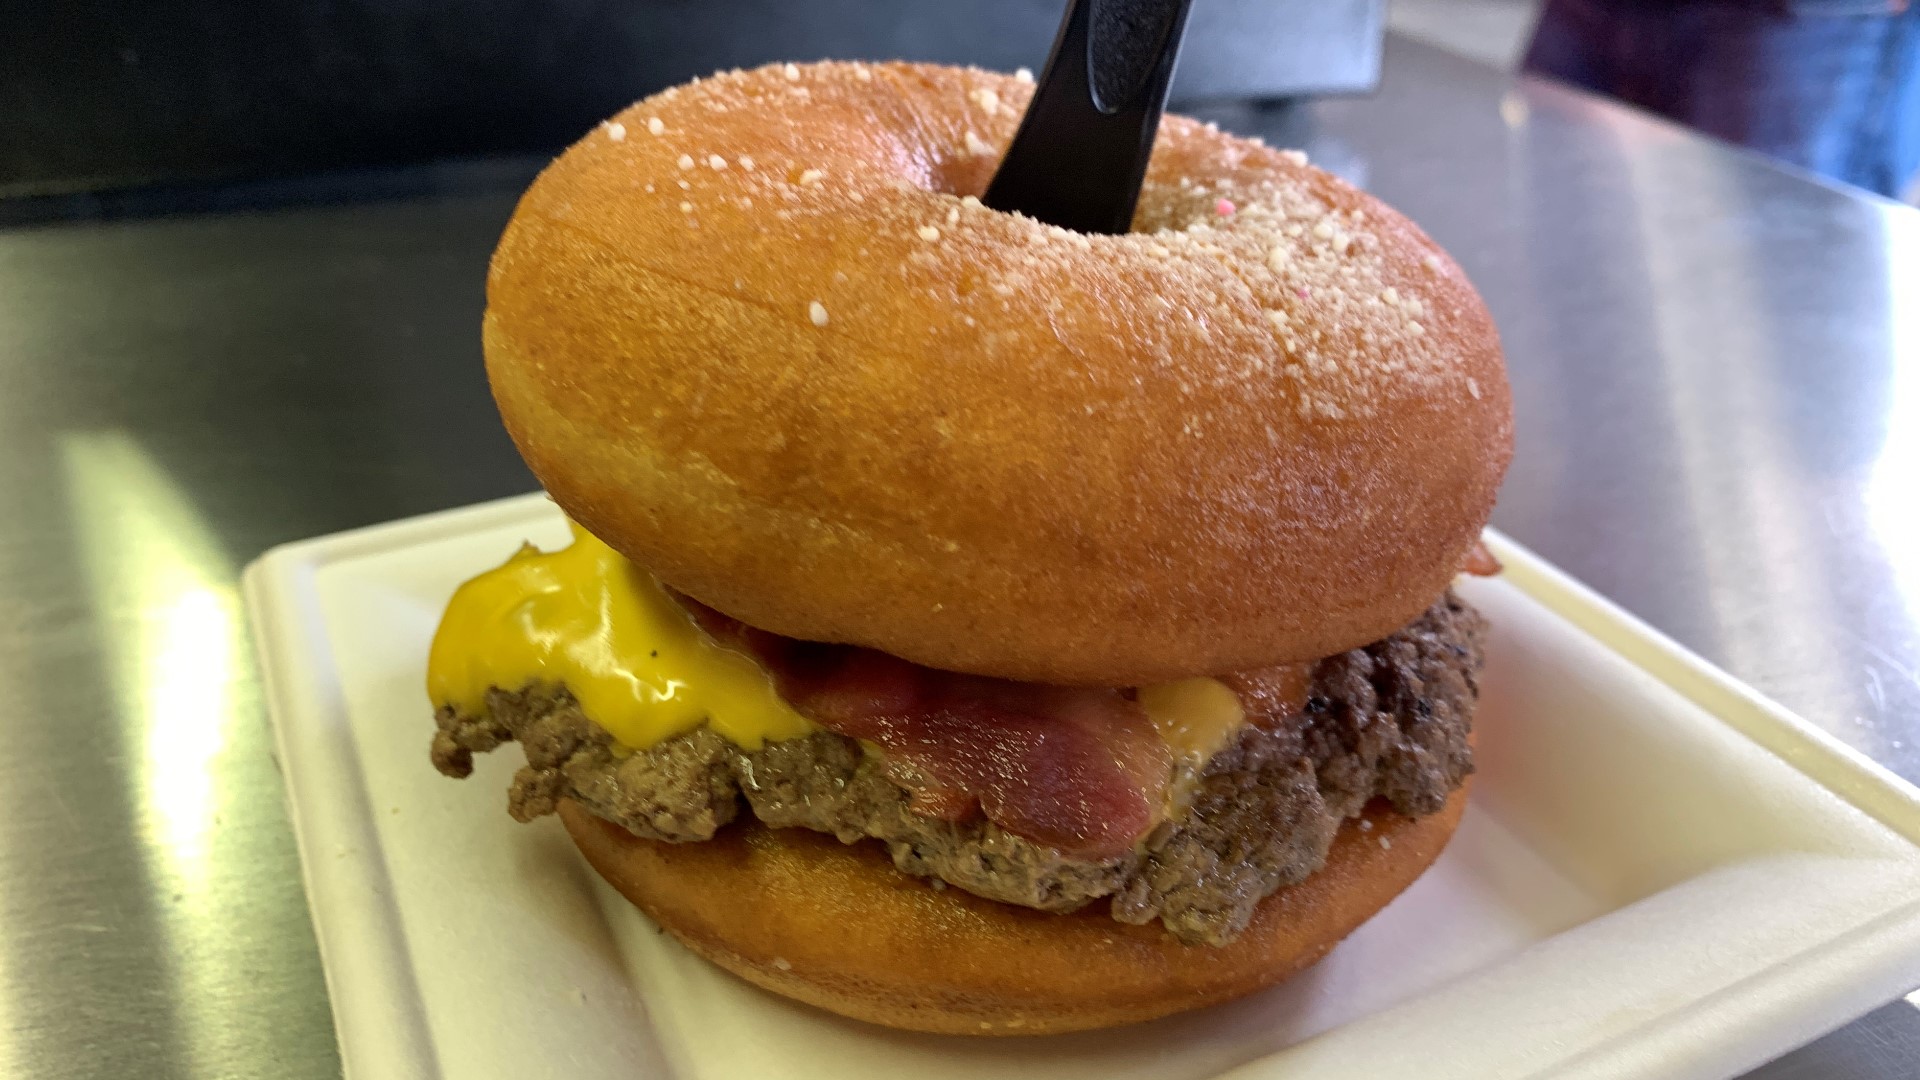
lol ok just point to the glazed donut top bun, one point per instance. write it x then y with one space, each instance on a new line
759 335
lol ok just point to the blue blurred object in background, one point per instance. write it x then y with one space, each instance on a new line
1832 86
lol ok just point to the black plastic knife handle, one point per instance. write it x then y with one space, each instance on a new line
1082 149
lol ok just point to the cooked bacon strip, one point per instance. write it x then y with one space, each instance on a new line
1272 696
1080 770
1481 562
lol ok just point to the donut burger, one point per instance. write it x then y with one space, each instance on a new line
971 625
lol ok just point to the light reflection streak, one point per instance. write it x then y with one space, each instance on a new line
186 692
161 587
1893 487
1712 329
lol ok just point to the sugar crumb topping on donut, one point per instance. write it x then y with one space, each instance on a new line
1274 271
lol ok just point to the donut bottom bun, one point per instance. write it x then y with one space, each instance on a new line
837 926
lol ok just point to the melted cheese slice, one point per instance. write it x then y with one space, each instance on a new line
1194 716
586 617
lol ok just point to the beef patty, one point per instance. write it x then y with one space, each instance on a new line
1386 721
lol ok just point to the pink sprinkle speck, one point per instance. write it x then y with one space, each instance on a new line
1304 293
1224 207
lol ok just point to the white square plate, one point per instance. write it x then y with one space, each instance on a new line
1659 874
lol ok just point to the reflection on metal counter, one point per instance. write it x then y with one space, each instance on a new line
161 588
1716 368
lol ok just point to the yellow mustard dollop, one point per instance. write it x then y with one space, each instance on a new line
585 617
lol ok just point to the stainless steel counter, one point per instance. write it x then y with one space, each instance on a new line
1716 368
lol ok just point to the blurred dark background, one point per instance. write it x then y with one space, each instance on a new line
103 96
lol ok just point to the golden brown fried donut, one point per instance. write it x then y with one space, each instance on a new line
757 334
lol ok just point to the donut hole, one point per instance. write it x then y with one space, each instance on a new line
1162 207
958 175
1169 208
